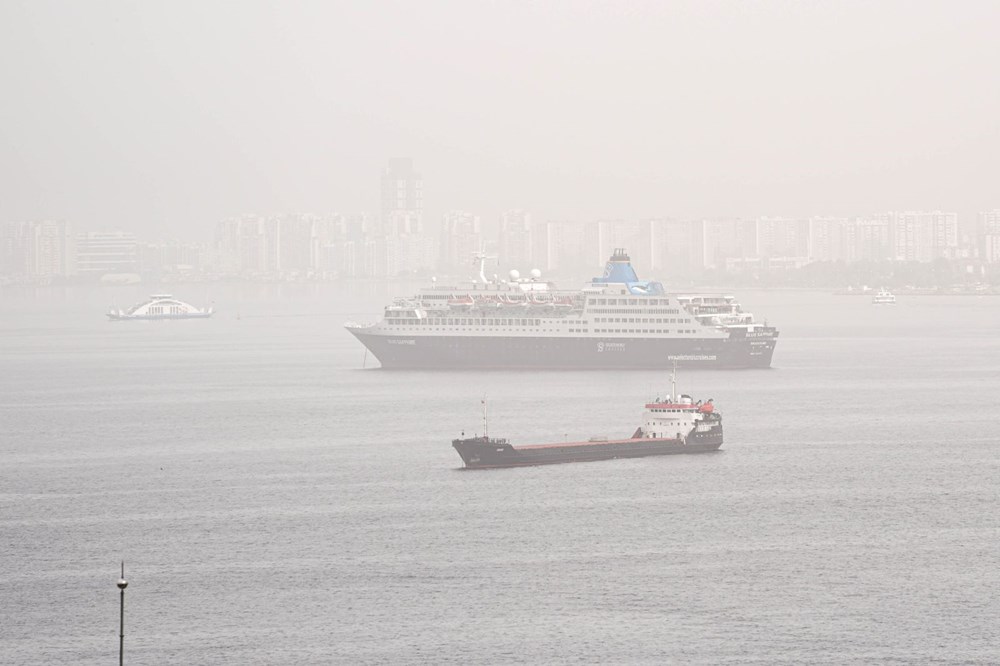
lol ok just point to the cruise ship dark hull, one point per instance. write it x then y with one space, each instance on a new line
483 453
398 351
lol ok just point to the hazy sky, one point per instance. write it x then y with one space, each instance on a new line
164 117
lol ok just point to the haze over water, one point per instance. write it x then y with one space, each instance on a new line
275 503
165 118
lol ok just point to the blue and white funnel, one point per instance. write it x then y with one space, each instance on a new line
619 270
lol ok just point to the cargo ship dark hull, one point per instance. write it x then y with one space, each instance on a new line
488 453
739 350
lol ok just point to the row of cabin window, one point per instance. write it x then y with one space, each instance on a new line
634 310
630 301
465 322
681 331
619 320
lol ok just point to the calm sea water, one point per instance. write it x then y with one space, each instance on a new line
277 504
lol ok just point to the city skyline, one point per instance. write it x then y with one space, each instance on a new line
329 247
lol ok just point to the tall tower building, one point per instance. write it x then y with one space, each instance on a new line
401 246
402 198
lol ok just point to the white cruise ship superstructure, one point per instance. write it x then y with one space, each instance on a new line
616 321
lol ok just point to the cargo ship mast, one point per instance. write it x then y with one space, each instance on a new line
486 424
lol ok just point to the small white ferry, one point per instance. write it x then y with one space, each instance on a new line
884 297
160 306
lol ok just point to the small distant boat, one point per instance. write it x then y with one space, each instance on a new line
884 297
160 306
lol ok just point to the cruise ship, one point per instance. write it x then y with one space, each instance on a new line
616 321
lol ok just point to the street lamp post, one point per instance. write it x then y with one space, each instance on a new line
122 584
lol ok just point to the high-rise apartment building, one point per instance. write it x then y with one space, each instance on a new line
675 248
250 245
725 240
103 253
562 245
170 258
344 246
461 238
242 246
11 254
298 243
782 237
403 223
402 198
408 253
515 239
402 247
868 239
989 233
37 250
922 236
827 239
606 235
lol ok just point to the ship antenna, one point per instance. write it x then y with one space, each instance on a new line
481 257
486 423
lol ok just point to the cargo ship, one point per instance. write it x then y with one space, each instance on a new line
616 321
676 424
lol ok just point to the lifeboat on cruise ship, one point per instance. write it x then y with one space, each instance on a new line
510 302
463 302
564 302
